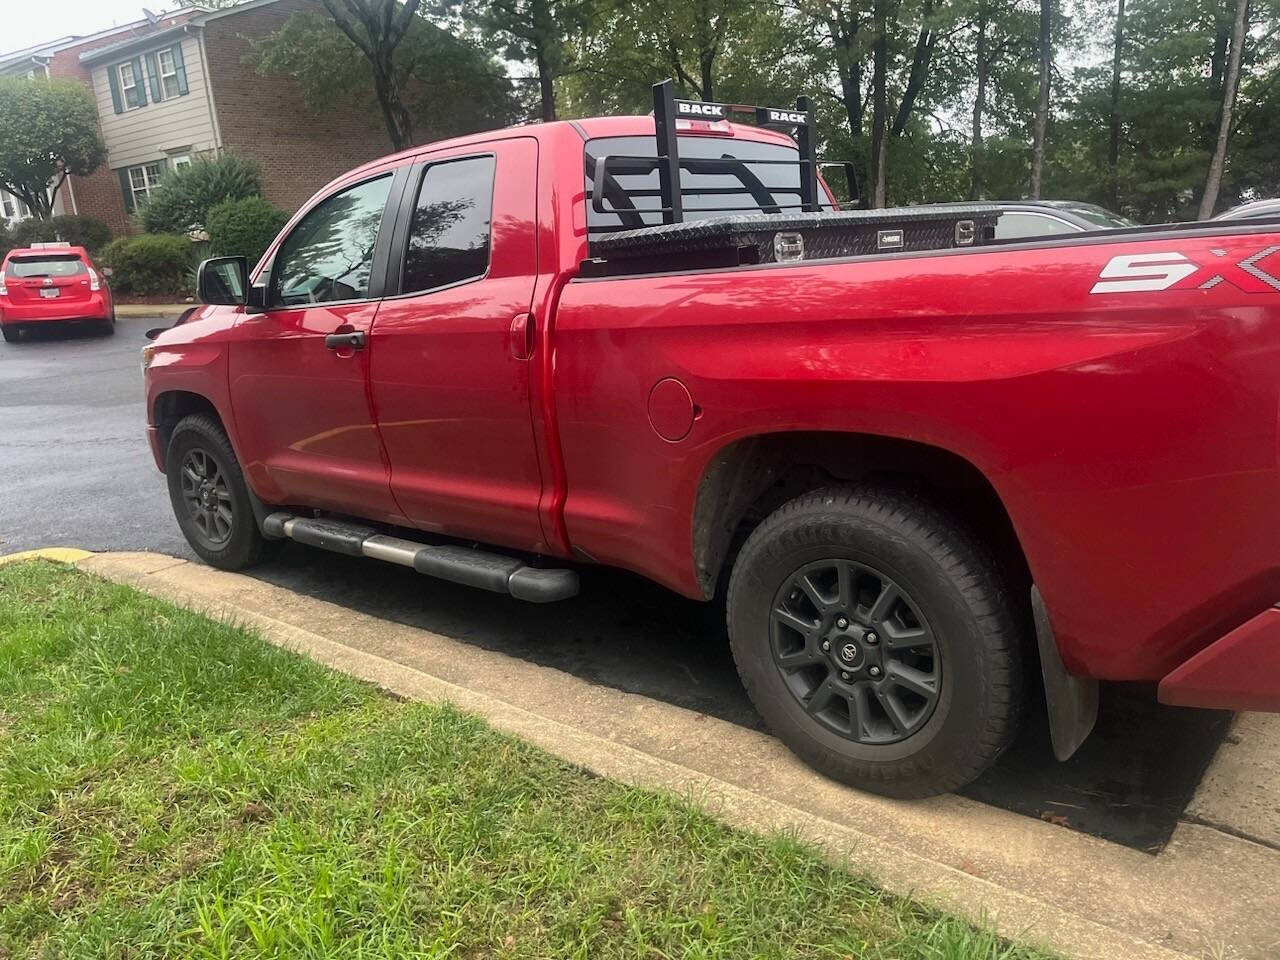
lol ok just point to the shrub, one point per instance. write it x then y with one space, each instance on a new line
153 263
6 239
244 227
85 232
181 201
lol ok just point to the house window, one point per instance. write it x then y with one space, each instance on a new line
129 86
184 160
168 74
13 209
142 180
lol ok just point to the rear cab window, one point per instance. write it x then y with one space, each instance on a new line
753 187
45 265
449 236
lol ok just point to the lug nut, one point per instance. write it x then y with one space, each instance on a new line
873 670
871 638
842 623
845 676
826 644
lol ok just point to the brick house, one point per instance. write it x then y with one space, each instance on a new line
173 86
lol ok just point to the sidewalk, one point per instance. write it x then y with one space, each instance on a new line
1207 894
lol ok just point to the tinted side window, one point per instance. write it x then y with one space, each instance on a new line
329 254
449 236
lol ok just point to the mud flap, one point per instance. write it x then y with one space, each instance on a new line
1072 701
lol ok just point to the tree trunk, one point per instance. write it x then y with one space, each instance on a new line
1230 86
546 84
1042 100
979 102
1113 141
925 42
543 29
399 123
879 103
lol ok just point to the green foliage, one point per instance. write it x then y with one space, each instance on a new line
153 263
448 85
244 228
85 232
48 129
182 200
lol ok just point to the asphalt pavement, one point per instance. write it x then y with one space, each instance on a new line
75 470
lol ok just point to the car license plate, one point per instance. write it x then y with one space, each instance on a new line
49 292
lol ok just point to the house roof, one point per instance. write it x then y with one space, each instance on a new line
43 51
206 16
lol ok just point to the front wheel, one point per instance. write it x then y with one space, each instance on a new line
210 498
876 641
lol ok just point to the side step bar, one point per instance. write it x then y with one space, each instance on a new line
471 567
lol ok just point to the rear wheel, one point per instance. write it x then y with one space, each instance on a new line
210 498
875 639
10 334
107 327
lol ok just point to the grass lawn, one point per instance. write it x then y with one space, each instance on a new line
170 787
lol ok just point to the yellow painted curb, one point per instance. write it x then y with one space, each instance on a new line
57 554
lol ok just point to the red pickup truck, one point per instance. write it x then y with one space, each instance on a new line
930 479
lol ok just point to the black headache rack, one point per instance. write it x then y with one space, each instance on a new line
764 230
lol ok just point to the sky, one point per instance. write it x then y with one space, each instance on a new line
25 23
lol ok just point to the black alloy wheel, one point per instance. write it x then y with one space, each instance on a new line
855 651
207 497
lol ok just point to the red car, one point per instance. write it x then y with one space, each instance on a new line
929 473
52 283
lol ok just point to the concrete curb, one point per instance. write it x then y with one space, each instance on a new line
1207 894
159 311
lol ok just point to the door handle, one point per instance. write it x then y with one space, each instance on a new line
337 341
522 336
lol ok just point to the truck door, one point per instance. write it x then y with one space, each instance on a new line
450 351
299 370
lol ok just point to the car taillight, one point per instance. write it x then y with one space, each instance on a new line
93 280
4 291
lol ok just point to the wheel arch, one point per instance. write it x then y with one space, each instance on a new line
750 477
171 406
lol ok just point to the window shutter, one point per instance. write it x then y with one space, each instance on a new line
153 74
113 80
141 79
181 69
127 186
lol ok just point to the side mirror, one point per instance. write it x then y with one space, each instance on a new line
221 281
850 171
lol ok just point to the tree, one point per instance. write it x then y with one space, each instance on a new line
879 100
376 27
1113 117
447 85
725 50
1230 86
1042 99
48 130
532 31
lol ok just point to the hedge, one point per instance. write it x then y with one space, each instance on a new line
153 263
244 228
85 232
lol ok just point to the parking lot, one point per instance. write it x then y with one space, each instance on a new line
75 471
